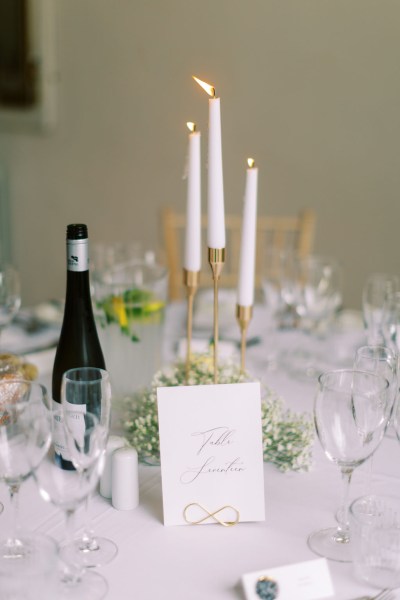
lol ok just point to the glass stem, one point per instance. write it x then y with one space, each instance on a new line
368 475
71 573
13 543
342 534
89 542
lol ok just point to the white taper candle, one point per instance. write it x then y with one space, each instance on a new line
192 252
248 243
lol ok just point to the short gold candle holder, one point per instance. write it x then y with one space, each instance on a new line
191 281
216 258
243 317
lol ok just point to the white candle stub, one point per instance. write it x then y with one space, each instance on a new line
125 479
114 442
248 243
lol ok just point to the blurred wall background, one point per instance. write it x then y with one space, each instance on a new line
309 88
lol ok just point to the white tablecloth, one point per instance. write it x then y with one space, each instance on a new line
207 562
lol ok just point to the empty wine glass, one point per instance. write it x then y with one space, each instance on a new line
391 323
381 361
89 386
377 293
10 295
25 436
350 415
320 280
69 488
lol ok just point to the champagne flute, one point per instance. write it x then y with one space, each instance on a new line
68 489
25 436
89 386
350 415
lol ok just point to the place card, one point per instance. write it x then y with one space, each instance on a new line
211 454
310 580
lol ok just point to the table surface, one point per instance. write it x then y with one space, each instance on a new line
198 563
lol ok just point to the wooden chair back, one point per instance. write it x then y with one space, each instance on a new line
281 232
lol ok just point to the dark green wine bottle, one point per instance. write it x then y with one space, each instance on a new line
79 344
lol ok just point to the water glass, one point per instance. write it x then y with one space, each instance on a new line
130 304
375 534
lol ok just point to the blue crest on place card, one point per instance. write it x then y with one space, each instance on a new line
211 454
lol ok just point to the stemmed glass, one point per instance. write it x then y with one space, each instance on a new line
68 489
279 283
318 296
89 386
25 436
391 323
320 280
10 295
350 413
377 294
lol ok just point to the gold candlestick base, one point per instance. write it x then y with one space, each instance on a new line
216 258
191 281
243 317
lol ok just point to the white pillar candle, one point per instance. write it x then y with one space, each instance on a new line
215 208
192 253
125 479
114 442
245 294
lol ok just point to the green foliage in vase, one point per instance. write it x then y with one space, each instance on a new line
287 437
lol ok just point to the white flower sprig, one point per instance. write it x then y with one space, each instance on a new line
287 437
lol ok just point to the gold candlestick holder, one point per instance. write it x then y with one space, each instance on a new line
216 258
191 281
243 316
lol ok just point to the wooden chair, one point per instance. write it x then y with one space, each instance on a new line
296 232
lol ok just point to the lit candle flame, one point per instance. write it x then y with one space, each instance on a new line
251 162
206 86
191 126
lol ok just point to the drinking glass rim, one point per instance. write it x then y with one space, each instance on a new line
337 371
104 375
389 351
391 497
27 382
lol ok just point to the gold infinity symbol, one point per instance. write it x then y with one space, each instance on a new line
211 515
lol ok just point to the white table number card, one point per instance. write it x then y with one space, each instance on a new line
211 453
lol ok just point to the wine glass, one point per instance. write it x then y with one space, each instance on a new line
89 386
25 436
391 323
377 293
69 488
10 295
350 415
381 361
320 281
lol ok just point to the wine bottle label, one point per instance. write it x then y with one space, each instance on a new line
76 424
77 255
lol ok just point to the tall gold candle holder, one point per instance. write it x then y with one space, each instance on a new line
191 281
243 316
216 258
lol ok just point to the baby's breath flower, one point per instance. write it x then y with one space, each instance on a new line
287 437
